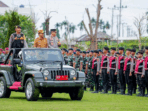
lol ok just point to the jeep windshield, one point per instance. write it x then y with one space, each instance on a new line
42 55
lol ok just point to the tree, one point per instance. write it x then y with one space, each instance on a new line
13 20
141 27
57 25
93 36
81 27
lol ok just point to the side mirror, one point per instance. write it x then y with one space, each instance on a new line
16 61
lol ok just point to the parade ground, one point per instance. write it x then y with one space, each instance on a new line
62 102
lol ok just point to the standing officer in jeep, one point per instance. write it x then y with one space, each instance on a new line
18 39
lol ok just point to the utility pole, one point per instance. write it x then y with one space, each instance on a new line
112 26
123 29
120 15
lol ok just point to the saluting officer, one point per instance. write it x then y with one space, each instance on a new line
113 70
105 69
18 39
2 56
78 63
120 70
128 71
70 57
140 72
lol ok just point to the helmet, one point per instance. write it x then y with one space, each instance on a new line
20 54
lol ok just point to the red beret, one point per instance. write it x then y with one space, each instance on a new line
3 52
6 48
1 49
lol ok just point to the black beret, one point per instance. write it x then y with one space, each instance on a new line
53 30
121 48
17 26
87 52
133 50
106 48
63 49
78 50
74 52
81 51
70 49
140 52
66 50
92 51
96 51
146 47
117 53
128 49
113 48
108 51
84 52
99 50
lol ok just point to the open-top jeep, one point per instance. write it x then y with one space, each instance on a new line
36 71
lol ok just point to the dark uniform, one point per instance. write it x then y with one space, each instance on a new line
96 68
113 70
105 70
139 71
146 72
120 72
128 78
133 74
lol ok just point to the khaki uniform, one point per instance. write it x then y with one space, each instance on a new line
40 43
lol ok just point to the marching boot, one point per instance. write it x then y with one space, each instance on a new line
134 91
122 92
84 88
130 92
147 93
91 88
115 90
143 92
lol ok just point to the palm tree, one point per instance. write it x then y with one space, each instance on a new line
81 27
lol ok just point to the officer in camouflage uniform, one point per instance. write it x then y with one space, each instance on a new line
84 67
78 62
70 57
64 55
90 72
2 56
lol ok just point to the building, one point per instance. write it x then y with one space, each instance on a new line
21 10
100 37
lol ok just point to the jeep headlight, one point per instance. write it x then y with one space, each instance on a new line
72 72
46 72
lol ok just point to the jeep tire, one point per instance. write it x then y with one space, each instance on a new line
76 93
4 91
46 94
31 92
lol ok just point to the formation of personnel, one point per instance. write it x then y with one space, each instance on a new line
103 69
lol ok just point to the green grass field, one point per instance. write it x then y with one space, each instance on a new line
62 102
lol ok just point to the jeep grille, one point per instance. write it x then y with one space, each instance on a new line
54 73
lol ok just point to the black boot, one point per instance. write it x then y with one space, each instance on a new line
134 90
91 88
115 90
84 88
143 92
122 92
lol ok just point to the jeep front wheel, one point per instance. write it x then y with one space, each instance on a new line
4 91
76 93
31 92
